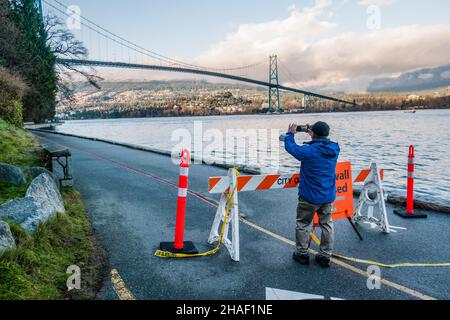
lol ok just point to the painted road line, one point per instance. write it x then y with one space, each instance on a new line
119 286
213 203
394 285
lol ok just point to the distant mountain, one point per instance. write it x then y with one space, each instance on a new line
424 79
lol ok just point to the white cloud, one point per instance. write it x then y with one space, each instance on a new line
283 37
307 45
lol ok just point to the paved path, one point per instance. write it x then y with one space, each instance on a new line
132 208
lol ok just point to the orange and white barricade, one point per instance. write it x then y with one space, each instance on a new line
225 185
372 196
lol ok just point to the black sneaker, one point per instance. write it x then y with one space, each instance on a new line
323 261
301 258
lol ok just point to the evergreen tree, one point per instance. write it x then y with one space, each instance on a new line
39 70
10 38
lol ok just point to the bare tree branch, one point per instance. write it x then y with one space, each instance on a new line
64 44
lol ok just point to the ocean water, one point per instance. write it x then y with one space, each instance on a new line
364 137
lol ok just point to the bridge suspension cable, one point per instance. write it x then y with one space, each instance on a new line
289 75
308 98
133 46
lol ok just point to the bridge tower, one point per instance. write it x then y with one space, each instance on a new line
309 102
274 91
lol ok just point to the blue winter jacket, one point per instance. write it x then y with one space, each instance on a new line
318 169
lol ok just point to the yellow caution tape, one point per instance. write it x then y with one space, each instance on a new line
383 265
167 255
314 237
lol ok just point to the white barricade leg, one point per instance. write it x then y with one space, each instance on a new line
371 216
220 214
234 212
373 195
233 219
382 203
359 207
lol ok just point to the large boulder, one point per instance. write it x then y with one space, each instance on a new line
19 210
41 203
7 241
34 172
12 175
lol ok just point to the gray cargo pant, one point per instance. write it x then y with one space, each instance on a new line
305 215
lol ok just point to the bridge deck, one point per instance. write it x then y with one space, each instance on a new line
195 71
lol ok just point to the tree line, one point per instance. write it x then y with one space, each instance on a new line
365 102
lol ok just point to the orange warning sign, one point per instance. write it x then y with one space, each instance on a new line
344 206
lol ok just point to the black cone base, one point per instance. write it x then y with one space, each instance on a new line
405 215
188 248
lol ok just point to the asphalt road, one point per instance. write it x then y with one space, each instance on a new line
132 210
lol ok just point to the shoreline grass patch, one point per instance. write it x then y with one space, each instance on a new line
18 147
9 192
36 269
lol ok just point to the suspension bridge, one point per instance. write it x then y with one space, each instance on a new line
107 49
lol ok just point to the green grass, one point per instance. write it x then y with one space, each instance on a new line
8 192
37 268
18 147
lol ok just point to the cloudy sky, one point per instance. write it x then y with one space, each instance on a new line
322 44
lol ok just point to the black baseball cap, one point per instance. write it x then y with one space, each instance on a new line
321 129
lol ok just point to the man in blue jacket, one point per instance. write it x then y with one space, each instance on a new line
317 190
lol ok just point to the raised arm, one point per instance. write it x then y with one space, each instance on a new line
298 152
